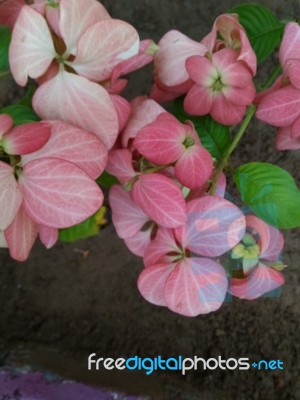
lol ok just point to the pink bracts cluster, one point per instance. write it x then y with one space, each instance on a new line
279 106
215 74
46 181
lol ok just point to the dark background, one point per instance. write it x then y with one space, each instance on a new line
60 305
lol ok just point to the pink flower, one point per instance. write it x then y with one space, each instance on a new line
223 87
259 252
72 63
46 182
178 272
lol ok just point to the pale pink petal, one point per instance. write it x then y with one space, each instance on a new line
139 242
161 142
21 235
120 165
123 109
279 83
67 143
58 194
284 140
262 280
10 195
196 286
6 122
138 61
51 72
76 17
169 61
281 108
198 101
3 243
163 249
9 12
116 41
214 226
27 138
194 167
144 112
48 236
152 282
225 112
290 45
53 16
270 239
240 96
295 133
31 50
127 216
73 99
160 198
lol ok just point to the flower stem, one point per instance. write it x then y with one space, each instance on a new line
249 115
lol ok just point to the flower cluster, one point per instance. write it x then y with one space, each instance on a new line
279 106
216 74
46 181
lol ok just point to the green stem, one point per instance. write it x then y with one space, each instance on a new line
4 73
231 148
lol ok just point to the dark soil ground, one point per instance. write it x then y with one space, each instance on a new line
60 306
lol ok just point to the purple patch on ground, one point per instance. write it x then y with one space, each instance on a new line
35 387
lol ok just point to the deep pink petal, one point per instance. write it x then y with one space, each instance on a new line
161 142
123 110
31 50
201 70
144 112
76 17
21 235
27 138
225 112
127 216
295 129
290 45
262 280
284 140
160 198
247 54
57 193
139 242
240 96
214 226
194 167
73 99
161 247
152 282
270 239
293 71
116 41
9 12
10 195
67 143
169 61
196 286
120 165
198 101
163 94
6 122
281 107
48 236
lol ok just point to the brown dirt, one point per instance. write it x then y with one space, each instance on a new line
59 306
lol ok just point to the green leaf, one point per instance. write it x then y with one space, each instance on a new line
5 37
86 229
263 29
20 114
270 192
214 137
106 180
